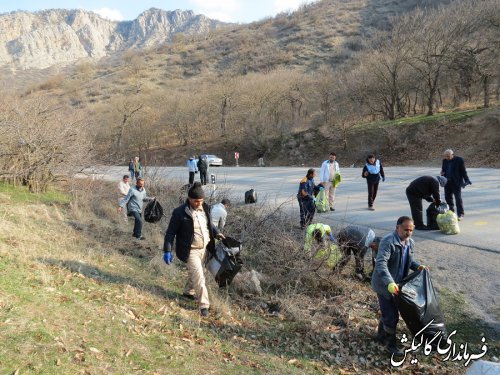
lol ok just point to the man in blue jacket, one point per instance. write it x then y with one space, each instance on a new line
191 227
306 198
453 168
393 263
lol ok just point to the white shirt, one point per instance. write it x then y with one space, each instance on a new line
219 215
123 188
325 173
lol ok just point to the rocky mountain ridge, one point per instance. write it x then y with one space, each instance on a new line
60 37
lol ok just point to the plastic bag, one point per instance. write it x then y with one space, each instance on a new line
250 196
322 204
330 255
226 262
418 305
153 211
432 212
448 223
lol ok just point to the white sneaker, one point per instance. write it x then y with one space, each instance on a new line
461 217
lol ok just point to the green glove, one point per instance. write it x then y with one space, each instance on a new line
393 288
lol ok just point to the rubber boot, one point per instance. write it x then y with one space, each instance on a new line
391 345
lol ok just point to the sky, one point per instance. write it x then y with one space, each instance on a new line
242 11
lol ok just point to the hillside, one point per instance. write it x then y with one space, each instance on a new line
473 134
78 296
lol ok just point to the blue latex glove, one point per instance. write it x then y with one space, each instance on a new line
314 200
321 188
168 257
332 237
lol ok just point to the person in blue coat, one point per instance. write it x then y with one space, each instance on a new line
453 168
395 259
306 198
372 171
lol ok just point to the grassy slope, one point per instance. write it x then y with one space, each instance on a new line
77 296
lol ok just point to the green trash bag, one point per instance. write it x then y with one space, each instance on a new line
322 202
448 223
329 255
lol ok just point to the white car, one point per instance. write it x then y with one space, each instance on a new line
213 160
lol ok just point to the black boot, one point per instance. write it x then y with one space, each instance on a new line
381 335
391 345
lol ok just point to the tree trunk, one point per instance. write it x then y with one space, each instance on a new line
486 91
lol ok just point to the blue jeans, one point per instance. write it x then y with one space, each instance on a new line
390 313
450 190
137 223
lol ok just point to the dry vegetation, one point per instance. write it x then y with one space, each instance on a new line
77 295
321 70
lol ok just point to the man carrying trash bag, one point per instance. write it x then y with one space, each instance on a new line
393 263
191 227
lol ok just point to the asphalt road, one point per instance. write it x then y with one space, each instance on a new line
468 263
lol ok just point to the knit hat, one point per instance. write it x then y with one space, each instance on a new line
442 180
196 191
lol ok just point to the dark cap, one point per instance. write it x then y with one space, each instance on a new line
196 191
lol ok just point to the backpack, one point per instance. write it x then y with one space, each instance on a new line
153 211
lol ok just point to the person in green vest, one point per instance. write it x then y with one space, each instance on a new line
320 244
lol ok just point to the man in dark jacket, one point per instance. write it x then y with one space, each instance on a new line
372 171
192 227
356 239
306 198
453 169
393 263
203 168
425 187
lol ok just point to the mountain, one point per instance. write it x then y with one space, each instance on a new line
60 37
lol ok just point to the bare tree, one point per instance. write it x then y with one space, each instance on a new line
39 140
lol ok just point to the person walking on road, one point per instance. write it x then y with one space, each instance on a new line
328 178
453 168
219 213
131 170
123 189
394 260
425 187
356 239
306 198
192 169
203 169
137 168
194 234
134 201
372 171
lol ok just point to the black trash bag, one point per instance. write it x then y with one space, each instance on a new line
250 196
418 305
153 211
432 212
226 262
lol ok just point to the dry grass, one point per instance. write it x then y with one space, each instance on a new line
78 295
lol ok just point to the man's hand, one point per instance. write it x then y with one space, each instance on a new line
365 174
220 236
168 257
383 179
120 209
423 267
393 288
